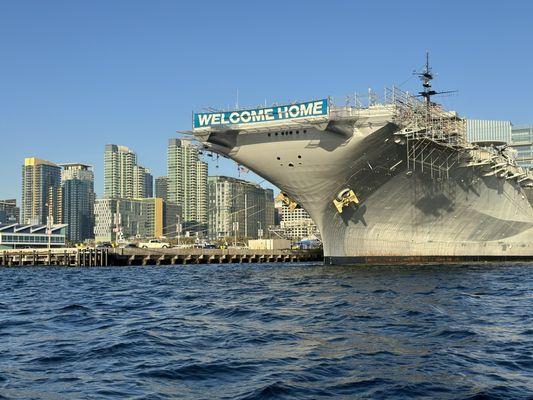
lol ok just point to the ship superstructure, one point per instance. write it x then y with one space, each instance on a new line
389 182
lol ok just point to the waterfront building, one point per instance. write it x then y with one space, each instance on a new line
129 218
9 212
41 191
238 207
478 130
187 184
13 235
522 141
123 177
77 186
161 184
295 223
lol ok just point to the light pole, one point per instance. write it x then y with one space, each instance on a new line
48 229
179 228
49 223
235 229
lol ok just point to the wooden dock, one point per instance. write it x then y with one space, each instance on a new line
91 257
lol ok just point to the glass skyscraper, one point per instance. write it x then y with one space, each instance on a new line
161 184
77 185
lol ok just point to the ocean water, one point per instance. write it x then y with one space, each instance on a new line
280 331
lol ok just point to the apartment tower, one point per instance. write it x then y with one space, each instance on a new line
187 184
123 177
77 186
41 191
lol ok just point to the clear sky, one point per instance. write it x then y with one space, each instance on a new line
75 75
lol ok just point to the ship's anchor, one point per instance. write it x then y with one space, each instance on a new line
287 201
344 198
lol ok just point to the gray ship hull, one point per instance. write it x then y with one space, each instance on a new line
416 212
411 216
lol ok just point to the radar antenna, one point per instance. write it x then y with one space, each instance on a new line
426 76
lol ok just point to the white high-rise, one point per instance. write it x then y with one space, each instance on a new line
187 183
123 177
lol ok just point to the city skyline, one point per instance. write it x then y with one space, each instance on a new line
128 199
77 77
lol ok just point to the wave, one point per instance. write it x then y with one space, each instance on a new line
261 332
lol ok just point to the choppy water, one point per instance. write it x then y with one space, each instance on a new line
266 331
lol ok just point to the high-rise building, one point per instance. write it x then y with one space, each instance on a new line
41 191
133 218
295 223
148 183
171 220
119 164
77 186
187 184
9 212
143 182
123 177
238 206
161 184
172 212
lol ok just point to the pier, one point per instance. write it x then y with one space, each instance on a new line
90 257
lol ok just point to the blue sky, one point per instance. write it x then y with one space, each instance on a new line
75 75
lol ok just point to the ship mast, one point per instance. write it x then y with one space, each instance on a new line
426 76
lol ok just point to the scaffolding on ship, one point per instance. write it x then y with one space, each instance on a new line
435 138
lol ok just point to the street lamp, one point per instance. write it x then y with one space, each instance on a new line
179 228
235 226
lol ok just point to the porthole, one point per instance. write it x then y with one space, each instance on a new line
299 156
305 130
276 133
269 134
291 164
290 132
279 158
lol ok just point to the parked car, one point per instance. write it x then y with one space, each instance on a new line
128 245
184 246
154 244
104 245
204 246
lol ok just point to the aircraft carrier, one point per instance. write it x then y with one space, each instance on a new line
389 182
